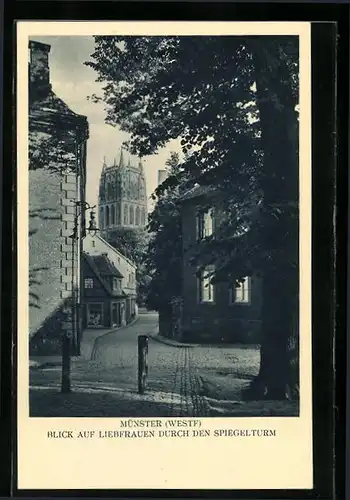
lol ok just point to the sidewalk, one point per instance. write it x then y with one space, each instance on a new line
88 341
86 348
170 342
91 335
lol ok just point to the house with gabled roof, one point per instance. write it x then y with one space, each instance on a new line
109 285
104 298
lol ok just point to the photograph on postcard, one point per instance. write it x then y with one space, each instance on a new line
168 272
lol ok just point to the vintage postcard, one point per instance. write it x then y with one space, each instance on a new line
164 255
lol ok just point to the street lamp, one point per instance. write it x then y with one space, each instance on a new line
80 208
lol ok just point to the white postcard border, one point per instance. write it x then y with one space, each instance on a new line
281 462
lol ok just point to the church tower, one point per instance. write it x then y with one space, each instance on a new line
122 195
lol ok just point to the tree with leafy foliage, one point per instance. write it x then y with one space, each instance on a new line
130 242
164 256
233 102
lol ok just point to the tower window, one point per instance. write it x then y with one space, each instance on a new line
126 213
107 216
112 215
102 218
137 216
117 215
131 217
143 217
109 191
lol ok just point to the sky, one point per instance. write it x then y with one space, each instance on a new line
73 82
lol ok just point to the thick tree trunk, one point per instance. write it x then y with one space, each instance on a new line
279 183
276 369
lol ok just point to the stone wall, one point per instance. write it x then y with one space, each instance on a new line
51 259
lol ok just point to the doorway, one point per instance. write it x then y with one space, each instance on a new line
115 314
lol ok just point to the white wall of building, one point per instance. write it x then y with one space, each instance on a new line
95 245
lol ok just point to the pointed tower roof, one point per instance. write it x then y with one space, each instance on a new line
121 161
140 164
104 165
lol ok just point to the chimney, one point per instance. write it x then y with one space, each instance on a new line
39 71
162 175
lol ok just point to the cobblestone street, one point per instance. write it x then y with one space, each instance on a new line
182 380
170 374
107 385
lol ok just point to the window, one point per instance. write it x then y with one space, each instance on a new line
93 243
131 215
88 283
205 224
116 284
126 208
141 192
102 218
107 216
94 315
143 217
112 215
109 191
137 216
206 288
242 293
117 215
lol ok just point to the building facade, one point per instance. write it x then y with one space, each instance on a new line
122 196
57 173
105 302
95 247
214 312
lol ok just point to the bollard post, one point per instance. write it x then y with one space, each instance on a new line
142 344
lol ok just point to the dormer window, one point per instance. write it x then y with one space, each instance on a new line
116 284
205 224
